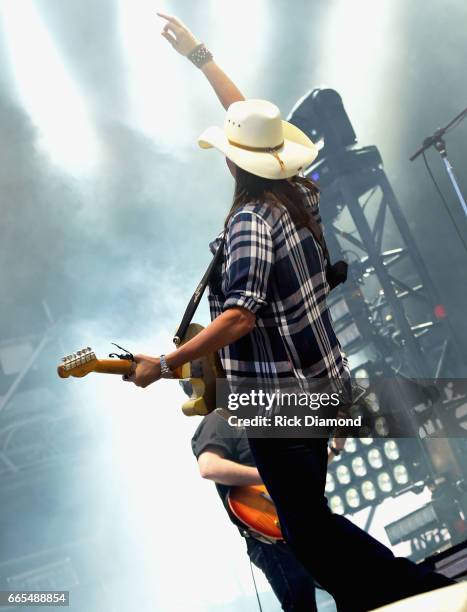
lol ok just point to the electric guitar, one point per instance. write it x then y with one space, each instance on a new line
197 378
253 506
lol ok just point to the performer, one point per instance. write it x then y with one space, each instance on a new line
224 457
270 320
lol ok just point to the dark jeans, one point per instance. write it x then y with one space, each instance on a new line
357 570
291 582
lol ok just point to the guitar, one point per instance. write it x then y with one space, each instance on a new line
197 378
253 506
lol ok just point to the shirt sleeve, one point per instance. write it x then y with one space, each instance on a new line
214 432
249 259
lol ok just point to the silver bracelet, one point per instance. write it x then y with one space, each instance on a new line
166 372
200 55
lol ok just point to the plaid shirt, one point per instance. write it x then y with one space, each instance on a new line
278 273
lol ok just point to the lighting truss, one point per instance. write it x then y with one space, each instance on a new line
400 313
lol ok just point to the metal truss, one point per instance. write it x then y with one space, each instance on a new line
389 286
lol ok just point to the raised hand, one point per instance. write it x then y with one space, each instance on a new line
178 35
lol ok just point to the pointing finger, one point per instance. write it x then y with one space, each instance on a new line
170 18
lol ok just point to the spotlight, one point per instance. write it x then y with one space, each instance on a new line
352 497
401 475
382 427
336 505
359 466
343 474
350 445
330 483
384 482
372 403
363 377
368 490
391 450
321 115
366 441
375 458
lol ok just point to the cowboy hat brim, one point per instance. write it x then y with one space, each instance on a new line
297 152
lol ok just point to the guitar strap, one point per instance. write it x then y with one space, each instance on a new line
197 295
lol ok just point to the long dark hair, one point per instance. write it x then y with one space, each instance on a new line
251 188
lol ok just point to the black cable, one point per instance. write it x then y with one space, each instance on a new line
443 199
372 193
256 588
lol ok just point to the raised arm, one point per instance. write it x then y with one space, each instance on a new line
183 41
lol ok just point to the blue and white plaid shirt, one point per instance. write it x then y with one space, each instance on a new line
278 273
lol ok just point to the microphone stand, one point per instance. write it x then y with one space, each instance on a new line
437 141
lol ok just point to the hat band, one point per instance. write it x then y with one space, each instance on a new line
256 149
272 150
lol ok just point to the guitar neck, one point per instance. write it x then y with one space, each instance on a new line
122 367
113 366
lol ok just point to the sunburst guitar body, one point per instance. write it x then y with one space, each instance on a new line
198 378
253 506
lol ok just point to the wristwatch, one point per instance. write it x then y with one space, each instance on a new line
166 372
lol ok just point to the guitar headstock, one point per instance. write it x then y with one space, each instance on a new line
77 364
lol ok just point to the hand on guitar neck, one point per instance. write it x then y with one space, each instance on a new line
225 329
195 362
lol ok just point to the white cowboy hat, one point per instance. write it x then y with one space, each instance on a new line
257 139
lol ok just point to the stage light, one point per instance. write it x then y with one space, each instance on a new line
372 403
336 504
363 377
47 90
376 466
391 450
352 497
359 466
401 475
375 458
343 474
413 524
381 427
330 483
368 490
384 482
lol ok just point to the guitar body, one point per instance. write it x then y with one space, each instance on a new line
198 378
253 506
